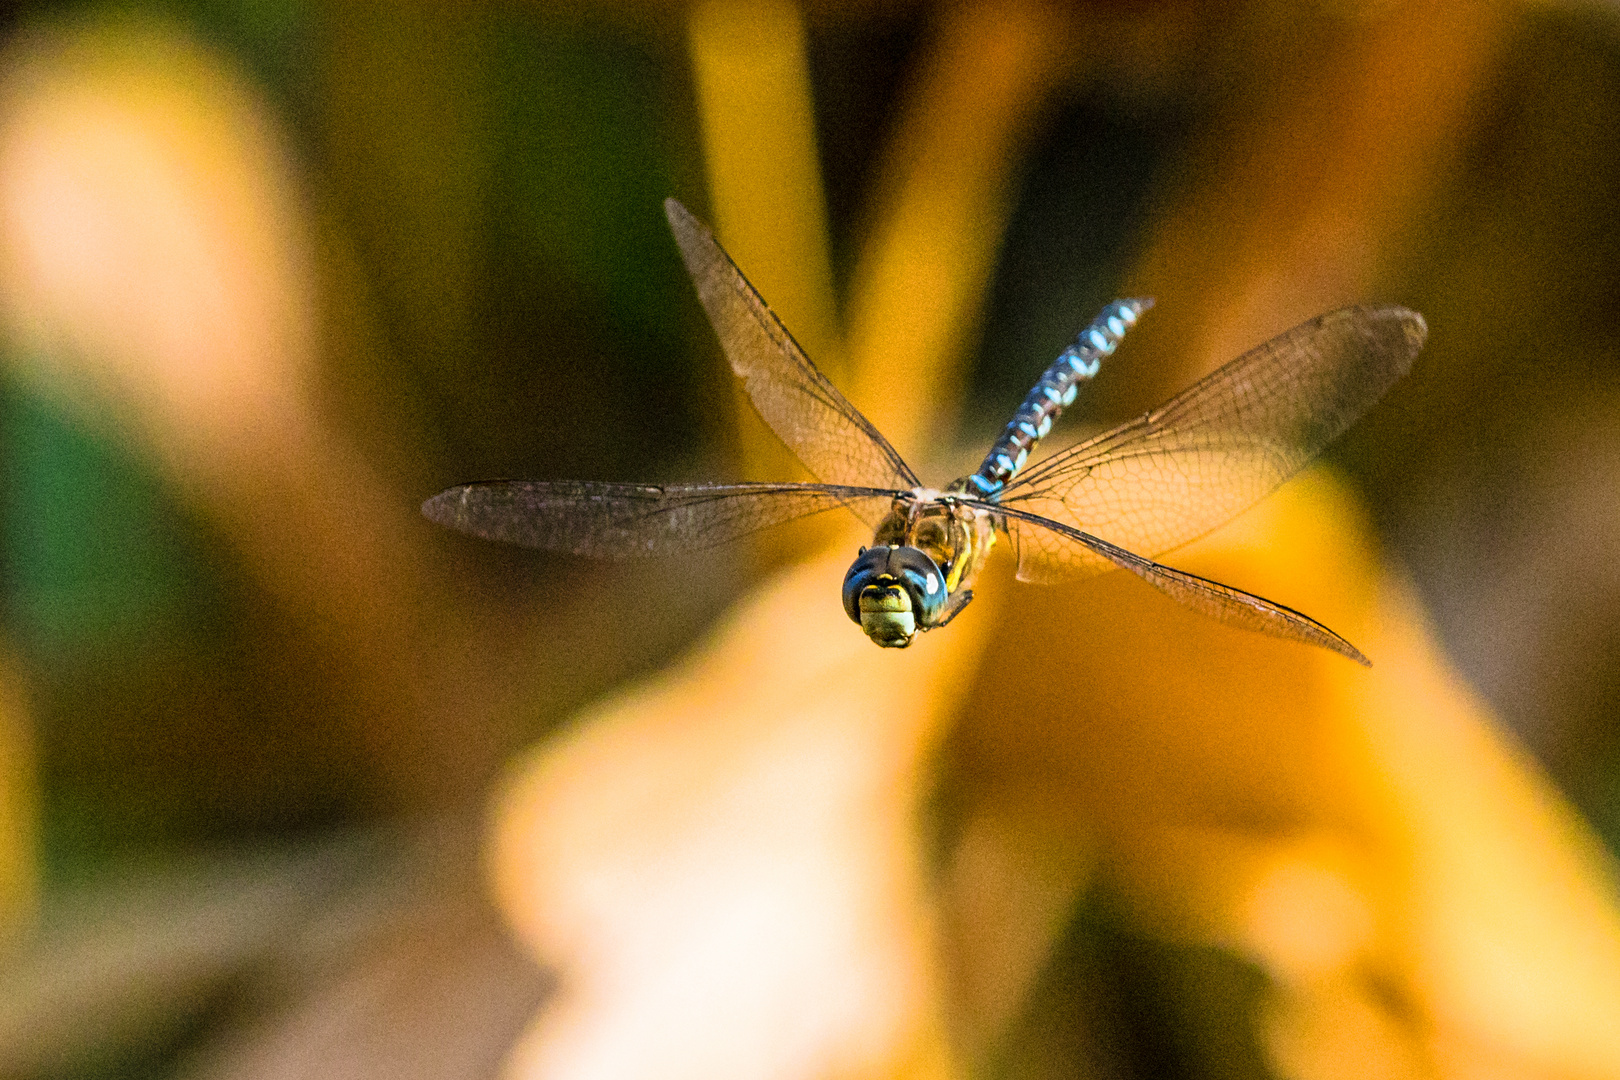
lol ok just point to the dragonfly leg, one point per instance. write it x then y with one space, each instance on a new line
953 607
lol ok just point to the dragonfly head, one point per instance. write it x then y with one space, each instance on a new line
893 592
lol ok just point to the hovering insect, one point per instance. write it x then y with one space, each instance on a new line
1152 484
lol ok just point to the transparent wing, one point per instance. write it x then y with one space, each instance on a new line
629 520
1059 544
1216 449
834 441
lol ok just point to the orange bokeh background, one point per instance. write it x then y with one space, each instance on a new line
291 782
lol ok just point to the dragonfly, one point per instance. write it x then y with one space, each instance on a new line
1150 485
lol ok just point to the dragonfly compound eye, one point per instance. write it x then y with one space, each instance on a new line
893 592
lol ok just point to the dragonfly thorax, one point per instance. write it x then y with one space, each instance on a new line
924 554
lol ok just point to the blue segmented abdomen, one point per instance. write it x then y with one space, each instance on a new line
1054 390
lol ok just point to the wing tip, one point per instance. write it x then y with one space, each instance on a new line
1413 326
1417 328
1323 636
681 220
1395 332
699 249
449 507
437 508
1345 649
1412 323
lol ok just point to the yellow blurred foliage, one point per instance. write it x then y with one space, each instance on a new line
19 811
158 279
726 863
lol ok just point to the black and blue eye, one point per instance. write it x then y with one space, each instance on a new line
893 592
923 580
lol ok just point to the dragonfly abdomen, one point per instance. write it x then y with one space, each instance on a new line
1052 392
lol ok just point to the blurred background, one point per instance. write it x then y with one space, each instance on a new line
273 272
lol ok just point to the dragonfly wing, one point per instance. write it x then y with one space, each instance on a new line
827 434
1046 556
1087 554
630 520
1174 474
